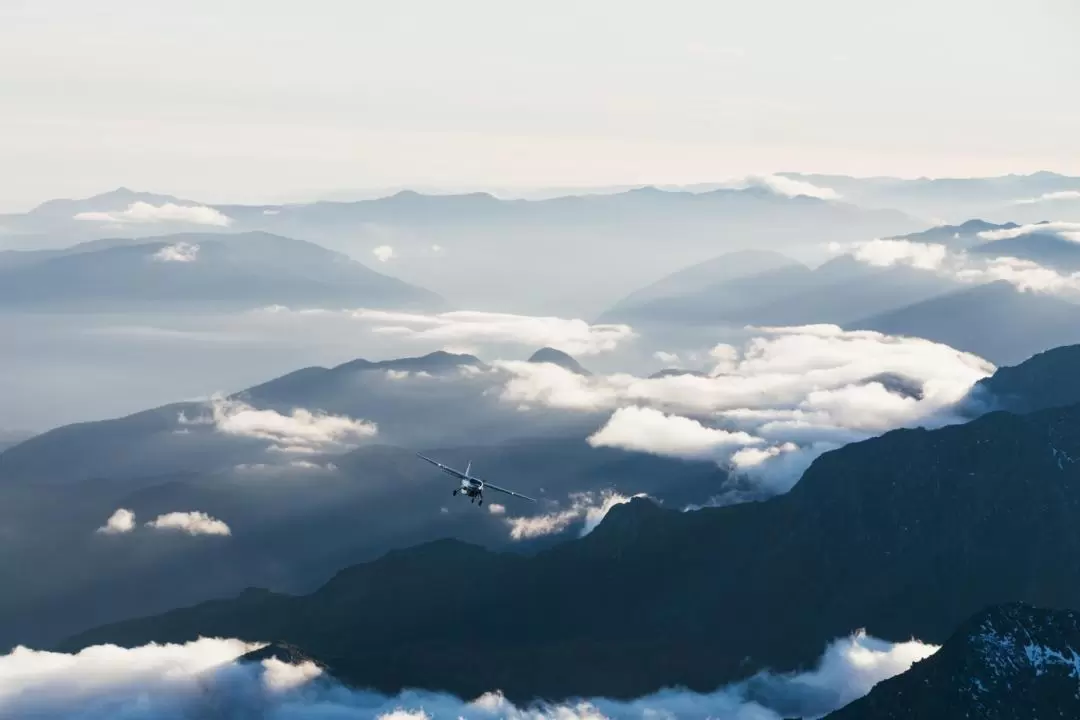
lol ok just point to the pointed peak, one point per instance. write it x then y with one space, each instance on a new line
560 358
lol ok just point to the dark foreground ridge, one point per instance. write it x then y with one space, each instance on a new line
904 535
1010 662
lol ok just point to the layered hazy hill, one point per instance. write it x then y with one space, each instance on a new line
904 535
193 271
994 319
1008 662
482 251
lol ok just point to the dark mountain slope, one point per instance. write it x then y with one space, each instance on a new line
906 534
994 321
558 357
1045 249
1045 380
1009 662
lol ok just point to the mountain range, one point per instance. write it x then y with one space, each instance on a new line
906 534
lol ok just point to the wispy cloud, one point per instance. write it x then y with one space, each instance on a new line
301 431
144 213
200 677
785 186
587 508
1064 230
1050 197
192 523
383 253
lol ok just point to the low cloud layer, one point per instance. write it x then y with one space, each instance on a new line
769 406
145 213
574 336
977 269
1051 197
191 523
301 431
201 679
180 252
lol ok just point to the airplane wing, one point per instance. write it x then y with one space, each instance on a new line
508 492
447 470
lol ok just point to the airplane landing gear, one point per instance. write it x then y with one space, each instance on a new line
481 502
455 493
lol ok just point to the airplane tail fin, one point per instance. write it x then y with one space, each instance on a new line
468 467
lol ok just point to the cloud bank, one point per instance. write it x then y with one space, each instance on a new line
192 523
202 679
784 186
1051 197
977 269
301 431
143 212
769 407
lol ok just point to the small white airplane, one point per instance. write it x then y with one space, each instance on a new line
471 486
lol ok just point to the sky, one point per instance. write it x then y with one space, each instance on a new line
269 100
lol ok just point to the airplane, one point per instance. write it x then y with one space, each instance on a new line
471 486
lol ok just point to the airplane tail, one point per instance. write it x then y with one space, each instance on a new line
468 467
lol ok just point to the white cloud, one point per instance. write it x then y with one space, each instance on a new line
1064 230
383 253
142 212
1050 197
815 387
576 337
785 186
669 359
301 431
180 252
121 521
192 523
202 678
646 429
496 509
589 508
975 269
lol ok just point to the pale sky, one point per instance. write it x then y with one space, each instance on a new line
248 100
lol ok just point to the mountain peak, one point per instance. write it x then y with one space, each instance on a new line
560 358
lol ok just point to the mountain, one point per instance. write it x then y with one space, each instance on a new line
201 270
994 321
1008 662
907 534
1045 380
1046 249
558 357
482 251
957 237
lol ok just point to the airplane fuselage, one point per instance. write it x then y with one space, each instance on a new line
471 488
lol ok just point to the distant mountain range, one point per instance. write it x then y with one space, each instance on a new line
1008 662
480 251
904 535
198 271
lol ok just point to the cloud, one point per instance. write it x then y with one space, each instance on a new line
142 212
1064 230
496 509
192 523
645 429
588 508
807 388
121 521
180 252
383 253
301 431
977 269
576 337
669 359
1050 197
202 679
784 186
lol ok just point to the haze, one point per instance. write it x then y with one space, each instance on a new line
257 100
